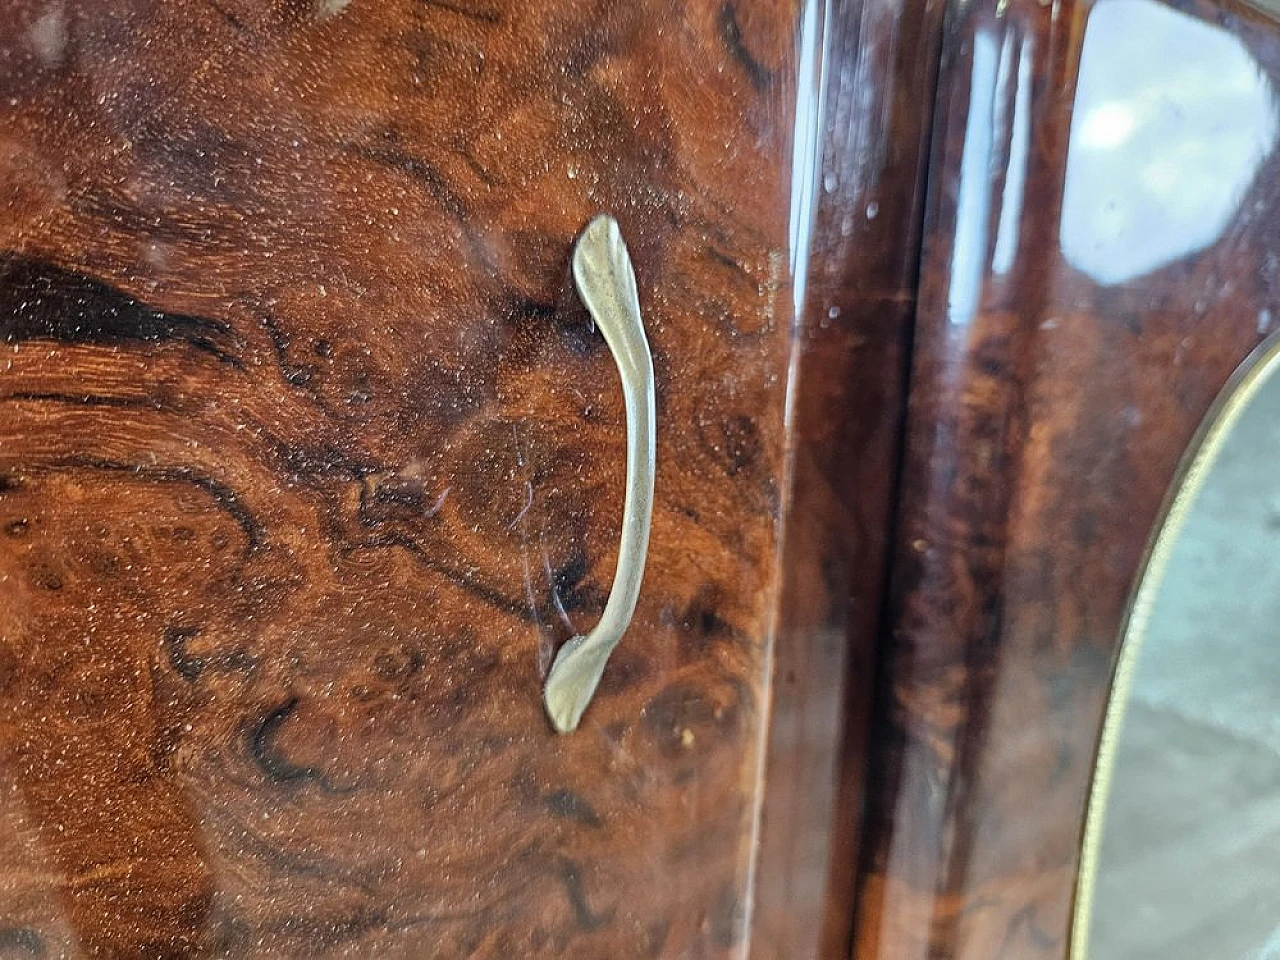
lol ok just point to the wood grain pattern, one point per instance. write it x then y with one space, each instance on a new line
846 434
1049 410
309 459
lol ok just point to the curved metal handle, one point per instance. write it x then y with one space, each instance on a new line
607 284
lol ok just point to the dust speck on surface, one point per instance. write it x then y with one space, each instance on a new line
48 35
322 10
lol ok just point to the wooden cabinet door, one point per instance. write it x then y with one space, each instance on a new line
310 460
1100 254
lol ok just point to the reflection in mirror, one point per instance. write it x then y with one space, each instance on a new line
1182 846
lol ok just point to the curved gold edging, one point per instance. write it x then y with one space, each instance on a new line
1202 453
607 284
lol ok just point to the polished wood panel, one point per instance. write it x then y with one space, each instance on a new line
859 300
1053 395
309 459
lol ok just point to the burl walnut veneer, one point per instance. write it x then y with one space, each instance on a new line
310 459
1101 251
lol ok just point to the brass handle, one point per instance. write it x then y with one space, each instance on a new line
606 283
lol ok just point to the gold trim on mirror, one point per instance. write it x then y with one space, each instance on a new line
1202 453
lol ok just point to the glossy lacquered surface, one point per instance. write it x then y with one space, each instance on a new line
845 432
310 459
1101 251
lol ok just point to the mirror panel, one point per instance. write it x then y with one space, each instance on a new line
1184 835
